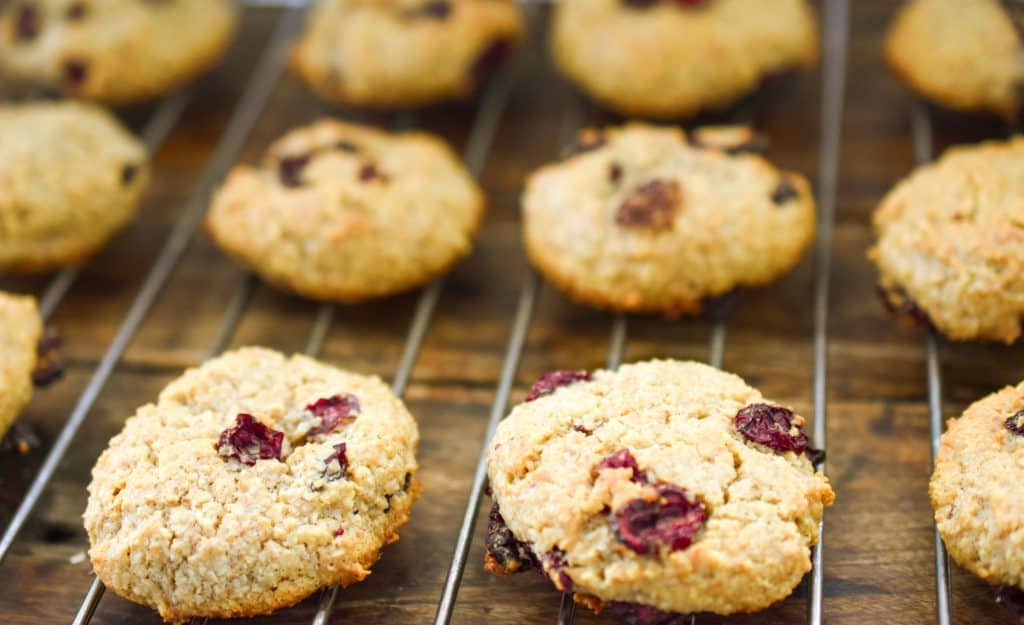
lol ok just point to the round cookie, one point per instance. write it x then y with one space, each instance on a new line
345 213
963 55
979 506
396 53
667 484
72 177
644 220
113 51
673 58
20 330
950 242
253 481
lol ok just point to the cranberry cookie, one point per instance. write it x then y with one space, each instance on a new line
950 245
254 480
345 213
646 220
396 53
965 55
113 51
673 58
663 487
20 330
975 489
71 177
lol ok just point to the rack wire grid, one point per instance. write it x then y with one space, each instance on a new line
484 128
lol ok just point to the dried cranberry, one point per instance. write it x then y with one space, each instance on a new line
75 72
370 172
623 459
334 411
670 521
290 168
771 426
76 11
553 563
897 302
653 204
1016 423
614 173
490 60
551 381
26 23
435 9
407 482
784 192
128 173
505 553
582 430
249 441
339 532
49 364
340 455
639 614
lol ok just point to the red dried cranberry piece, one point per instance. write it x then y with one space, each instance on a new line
551 381
289 169
249 441
76 11
623 459
639 614
553 563
505 553
49 364
490 60
340 454
339 532
75 73
334 411
128 173
784 192
26 23
1016 423
614 173
771 426
653 205
370 172
897 302
582 430
671 521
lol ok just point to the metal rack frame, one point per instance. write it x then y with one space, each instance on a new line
255 96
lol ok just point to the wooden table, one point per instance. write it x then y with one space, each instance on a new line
878 555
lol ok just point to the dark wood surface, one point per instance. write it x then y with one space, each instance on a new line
878 550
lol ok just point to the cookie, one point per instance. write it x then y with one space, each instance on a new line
979 507
72 177
20 330
644 220
673 58
343 212
950 242
964 55
253 481
113 51
665 486
399 53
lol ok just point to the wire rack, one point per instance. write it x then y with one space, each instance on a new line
485 125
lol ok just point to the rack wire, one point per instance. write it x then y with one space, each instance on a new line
487 121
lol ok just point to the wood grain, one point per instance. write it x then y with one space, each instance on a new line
878 555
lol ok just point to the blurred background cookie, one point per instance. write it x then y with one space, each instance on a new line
20 329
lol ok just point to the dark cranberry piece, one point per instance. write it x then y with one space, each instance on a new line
653 204
623 459
901 305
370 172
436 9
640 4
75 73
339 532
26 23
671 521
614 173
639 614
784 192
407 482
76 11
505 553
490 60
290 168
128 173
334 411
330 473
49 364
553 563
771 426
249 441
1016 423
347 146
582 430
551 381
